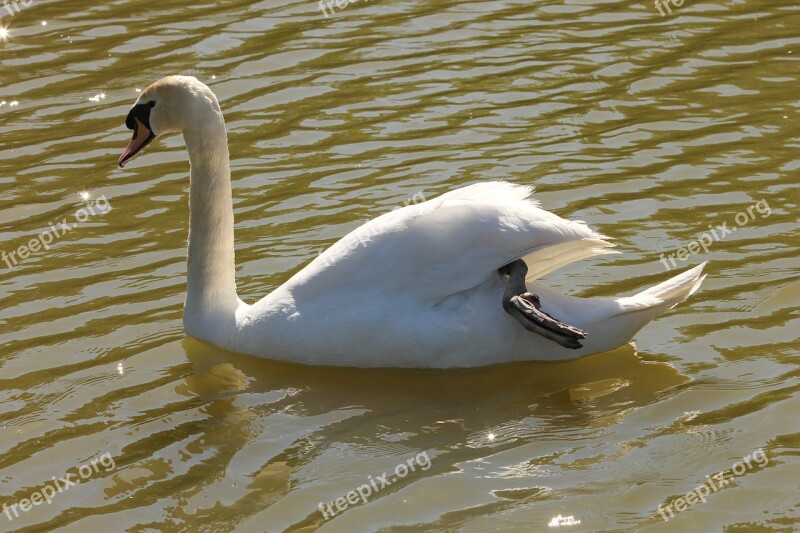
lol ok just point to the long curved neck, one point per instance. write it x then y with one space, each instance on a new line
211 290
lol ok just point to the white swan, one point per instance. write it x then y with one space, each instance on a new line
436 284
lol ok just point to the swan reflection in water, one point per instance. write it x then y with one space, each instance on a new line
271 430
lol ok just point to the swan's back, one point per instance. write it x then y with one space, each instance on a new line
440 247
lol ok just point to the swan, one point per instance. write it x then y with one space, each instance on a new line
447 282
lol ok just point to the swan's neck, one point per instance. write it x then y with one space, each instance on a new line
211 291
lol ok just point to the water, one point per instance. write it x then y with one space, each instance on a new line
650 128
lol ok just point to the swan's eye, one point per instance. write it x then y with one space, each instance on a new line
141 112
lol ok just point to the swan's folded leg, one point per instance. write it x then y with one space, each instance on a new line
525 308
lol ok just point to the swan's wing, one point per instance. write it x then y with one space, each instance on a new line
448 245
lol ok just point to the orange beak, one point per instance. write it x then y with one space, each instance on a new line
141 138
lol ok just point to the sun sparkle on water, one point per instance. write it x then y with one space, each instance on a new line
3 33
559 521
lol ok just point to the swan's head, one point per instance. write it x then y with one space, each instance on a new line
172 104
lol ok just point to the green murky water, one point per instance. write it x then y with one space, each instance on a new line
649 127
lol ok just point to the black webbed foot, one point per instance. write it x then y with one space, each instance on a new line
526 309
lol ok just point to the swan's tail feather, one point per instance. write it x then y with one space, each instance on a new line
634 312
612 322
676 289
